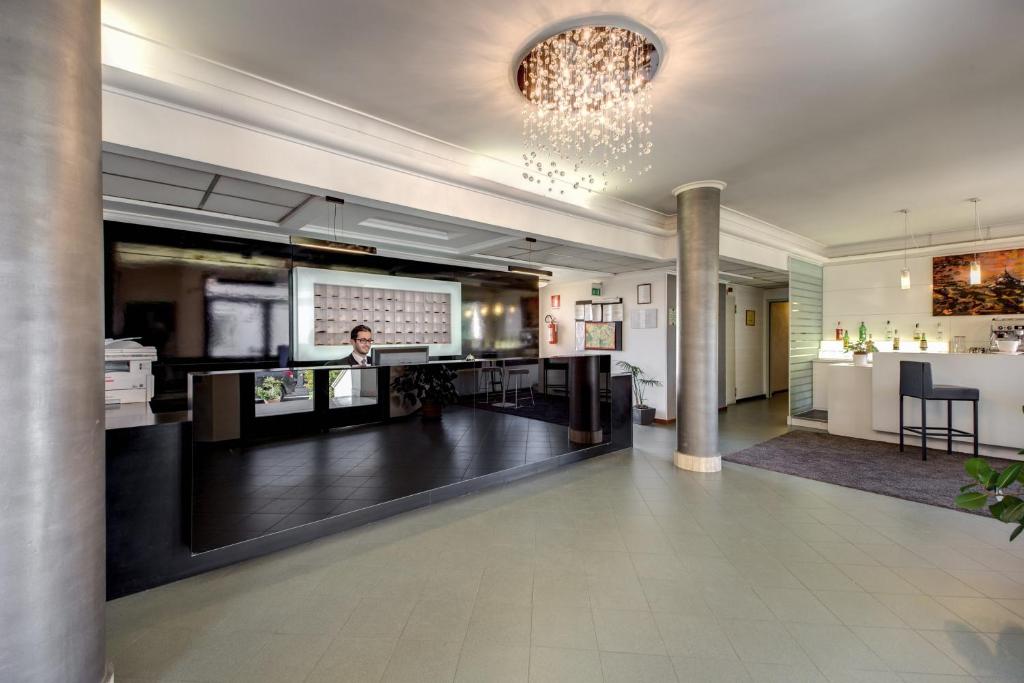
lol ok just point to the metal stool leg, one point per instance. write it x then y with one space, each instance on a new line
924 429
975 404
901 423
949 426
515 392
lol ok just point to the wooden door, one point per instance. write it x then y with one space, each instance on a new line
778 346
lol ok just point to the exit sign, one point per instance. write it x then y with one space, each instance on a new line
595 291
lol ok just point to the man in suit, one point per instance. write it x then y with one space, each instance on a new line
362 340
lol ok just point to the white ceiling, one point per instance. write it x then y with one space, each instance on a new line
824 116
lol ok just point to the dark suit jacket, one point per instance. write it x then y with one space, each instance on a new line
349 360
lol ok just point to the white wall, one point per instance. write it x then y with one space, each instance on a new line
750 342
646 348
870 291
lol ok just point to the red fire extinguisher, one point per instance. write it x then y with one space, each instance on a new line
552 329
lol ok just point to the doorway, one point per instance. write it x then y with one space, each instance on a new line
778 346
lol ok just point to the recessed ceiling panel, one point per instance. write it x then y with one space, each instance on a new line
259 192
245 207
133 167
146 191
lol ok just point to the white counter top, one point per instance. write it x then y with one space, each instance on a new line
998 377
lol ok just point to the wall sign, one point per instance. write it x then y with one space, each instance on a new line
751 318
1001 291
556 301
643 293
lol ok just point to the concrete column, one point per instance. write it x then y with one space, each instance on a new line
698 206
52 527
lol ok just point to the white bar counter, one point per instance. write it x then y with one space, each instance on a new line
999 379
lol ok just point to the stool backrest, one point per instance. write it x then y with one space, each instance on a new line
915 378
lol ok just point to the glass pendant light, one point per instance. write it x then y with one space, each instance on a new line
975 274
905 273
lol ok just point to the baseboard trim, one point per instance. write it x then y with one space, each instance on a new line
664 421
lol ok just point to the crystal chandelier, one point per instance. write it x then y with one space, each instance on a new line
587 119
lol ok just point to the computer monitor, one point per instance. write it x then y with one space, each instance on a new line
401 355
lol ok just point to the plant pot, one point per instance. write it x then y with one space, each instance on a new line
643 415
431 410
272 400
860 360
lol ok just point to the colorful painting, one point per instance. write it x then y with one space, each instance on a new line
1001 291
600 336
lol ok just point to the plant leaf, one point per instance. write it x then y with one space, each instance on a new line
977 468
1016 532
990 483
975 500
968 486
1013 510
1009 474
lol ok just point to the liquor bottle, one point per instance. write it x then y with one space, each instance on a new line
839 331
896 340
871 345
917 332
846 340
924 342
862 331
888 330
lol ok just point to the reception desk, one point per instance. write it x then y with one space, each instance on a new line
240 476
863 402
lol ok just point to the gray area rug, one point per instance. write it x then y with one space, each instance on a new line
874 466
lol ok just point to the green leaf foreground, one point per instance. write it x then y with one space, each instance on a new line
1007 506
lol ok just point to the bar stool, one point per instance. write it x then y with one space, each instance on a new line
493 380
516 376
916 382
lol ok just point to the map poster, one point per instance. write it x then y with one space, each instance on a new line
601 336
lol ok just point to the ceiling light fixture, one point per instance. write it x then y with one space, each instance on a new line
332 245
588 110
905 273
529 259
975 274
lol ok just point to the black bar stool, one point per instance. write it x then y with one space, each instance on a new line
916 382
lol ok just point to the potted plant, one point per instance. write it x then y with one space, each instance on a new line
861 349
270 390
1002 492
432 386
643 414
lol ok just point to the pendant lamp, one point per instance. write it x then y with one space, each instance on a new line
975 273
905 273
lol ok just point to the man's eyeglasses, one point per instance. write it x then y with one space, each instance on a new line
363 340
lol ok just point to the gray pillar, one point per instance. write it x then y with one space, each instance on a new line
698 206
52 528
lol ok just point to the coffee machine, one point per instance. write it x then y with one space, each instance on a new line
1006 328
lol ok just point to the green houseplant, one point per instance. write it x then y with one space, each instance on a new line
643 414
432 386
270 390
861 348
1002 492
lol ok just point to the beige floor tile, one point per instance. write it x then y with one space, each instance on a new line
686 636
938 678
984 614
784 673
694 669
934 581
632 668
557 665
500 624
976 653
736 602
859 609
378 618
566 590
514 587
893 555
422 661
353 660
681 597
822 576
488 663
922 612
835 647
796 604
860 676
905 651
563 627
876 579
617 593
444 620
627 631
766 642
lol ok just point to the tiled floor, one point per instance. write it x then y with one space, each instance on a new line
619 568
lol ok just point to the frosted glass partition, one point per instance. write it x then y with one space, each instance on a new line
805 295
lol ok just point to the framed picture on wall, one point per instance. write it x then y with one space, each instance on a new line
556 301
751 320
643 293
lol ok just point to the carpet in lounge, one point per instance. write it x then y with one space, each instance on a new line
874 466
